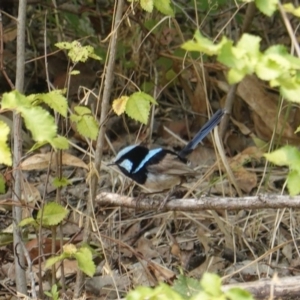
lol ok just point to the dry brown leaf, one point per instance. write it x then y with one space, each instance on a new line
160 272
10 33
246 180
33 248
251 90
30 196
41 161
145 246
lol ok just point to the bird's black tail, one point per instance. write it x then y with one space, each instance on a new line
203 132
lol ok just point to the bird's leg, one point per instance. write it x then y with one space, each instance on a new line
167 198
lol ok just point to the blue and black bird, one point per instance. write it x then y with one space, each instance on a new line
161 169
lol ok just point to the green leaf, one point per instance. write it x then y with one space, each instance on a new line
62 182
289 93
241 58
60 142
164 6
6 238
119 105
2 183
28 221
82 110
64 45
14 100
85 122
147 5
85 262
40 123
74 72
285 156
211 284
227 56
77 52
186 286
55 100
290 8
5 153
238 294
53 214
293 180
268 7
138 106
53 260
202 44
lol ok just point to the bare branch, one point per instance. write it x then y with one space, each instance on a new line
212 203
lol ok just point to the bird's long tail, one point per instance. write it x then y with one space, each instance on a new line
203 132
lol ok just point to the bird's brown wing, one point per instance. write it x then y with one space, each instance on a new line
172 165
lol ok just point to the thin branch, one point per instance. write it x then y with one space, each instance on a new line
204 203
109 78
279 287
17 154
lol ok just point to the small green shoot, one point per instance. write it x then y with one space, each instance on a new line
137 106
53 294
85 122
83 256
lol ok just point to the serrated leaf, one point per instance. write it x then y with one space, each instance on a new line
61 182
55 100
60 142
88 127
164 6
138 106
293 180
285 156
268 7
147 5
202 44
53 214
40 123
77 52
53 260
64 45
119 105
249 39
227 56
85 262
28 221
82 110
268 68
14 100
5 153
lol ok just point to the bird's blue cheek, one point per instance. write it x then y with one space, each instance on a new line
127 165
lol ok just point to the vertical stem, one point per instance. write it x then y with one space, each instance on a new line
17 153
109 78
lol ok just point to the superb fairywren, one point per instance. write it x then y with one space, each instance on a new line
160 169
